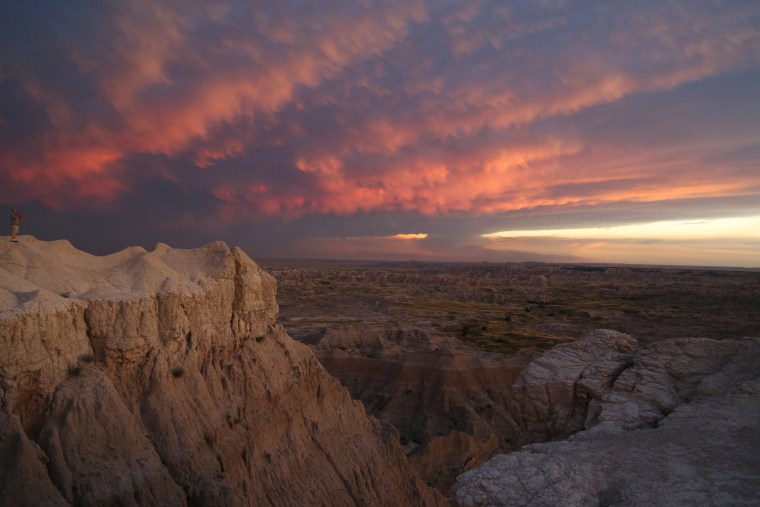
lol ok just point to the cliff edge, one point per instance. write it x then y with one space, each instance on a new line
162 377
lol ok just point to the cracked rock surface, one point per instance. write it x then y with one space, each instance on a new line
673 423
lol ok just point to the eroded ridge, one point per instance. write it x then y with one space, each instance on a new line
162 377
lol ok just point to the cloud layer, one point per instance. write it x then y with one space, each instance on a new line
201 115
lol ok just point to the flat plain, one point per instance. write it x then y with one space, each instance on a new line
506 308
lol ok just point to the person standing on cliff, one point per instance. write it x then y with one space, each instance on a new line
15 223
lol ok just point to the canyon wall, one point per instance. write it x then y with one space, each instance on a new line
451 405
162 377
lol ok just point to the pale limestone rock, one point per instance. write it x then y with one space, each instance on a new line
552 394
162 377
669 373
680 425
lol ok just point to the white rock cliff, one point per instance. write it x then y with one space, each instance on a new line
162 378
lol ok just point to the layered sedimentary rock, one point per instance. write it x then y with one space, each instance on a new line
552 395
451 405
674 423
161 377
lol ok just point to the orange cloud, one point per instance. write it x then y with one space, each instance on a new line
407 237
369 111
371 247
588 246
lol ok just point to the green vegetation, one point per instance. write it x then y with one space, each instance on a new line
178 372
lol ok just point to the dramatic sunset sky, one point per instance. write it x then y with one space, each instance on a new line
546 130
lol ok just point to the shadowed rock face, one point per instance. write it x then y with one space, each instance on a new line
161 377
450 405
674 423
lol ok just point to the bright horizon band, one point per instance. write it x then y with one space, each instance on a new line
734 228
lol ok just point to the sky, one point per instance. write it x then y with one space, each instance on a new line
499 131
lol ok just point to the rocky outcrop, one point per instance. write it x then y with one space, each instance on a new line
162 377
451 405
23 474
674 423
553 394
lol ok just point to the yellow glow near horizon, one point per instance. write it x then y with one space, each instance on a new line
718 228
409 236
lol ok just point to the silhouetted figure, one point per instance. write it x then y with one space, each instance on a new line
15 223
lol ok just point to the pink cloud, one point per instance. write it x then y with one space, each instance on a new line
162 113
372 247
455 127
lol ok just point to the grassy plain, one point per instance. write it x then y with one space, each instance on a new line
511 307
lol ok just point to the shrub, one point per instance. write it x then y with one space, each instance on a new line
260 338
178 372
87 358
74 371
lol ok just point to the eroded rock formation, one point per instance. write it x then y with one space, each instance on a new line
162 377
674 423
451 405
552 395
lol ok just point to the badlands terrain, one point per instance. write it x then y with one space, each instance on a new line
440 351
517 306
169 377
